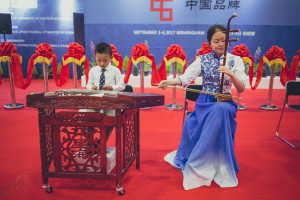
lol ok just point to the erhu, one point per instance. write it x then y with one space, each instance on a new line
227 40
220 96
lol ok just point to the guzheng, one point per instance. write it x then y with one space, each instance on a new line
95 99
73 142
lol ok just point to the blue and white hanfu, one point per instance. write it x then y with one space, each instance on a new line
206 150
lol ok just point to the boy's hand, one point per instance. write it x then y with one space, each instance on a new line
107 87
94 87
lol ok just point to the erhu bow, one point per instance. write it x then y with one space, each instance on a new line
219 96
227 40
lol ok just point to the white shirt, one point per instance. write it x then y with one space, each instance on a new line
208 64
112 75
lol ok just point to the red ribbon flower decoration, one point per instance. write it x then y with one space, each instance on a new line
139 53
139 50
242 51
75 50
44 53
44 50
275 56
175 53
275 52
205 49
286 76
6 49
8 54
117 58
75 54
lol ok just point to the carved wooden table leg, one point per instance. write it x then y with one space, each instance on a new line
137 138
43 148
119 187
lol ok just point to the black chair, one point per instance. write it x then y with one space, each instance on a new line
128 88
190 96
292 88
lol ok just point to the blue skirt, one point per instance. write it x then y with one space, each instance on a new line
206 149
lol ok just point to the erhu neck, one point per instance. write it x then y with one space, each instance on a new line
227 40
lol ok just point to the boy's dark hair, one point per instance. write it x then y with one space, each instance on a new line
103 47
214 29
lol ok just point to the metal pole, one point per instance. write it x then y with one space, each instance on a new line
142 65
45 73
13 104
12 85
142 76
270 106
174 106
75 75
174 90
271 85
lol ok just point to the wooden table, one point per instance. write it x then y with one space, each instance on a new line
67 135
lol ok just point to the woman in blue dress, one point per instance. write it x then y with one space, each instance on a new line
206 150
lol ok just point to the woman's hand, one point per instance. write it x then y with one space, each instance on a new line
163 84
224 69
238 84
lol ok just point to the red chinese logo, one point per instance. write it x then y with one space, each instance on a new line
162 10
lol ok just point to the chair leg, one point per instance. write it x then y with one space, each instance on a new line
280 118
277 131
184 111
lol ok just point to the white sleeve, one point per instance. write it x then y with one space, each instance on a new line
239 70
91 80
191 72
120 86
